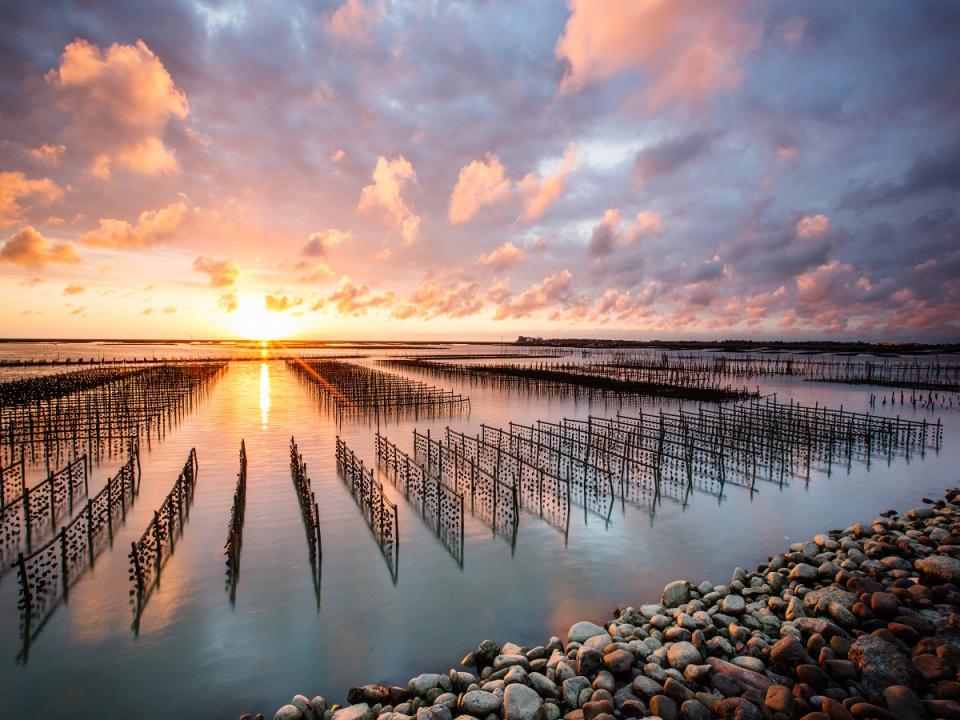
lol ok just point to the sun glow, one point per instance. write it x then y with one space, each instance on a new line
252 321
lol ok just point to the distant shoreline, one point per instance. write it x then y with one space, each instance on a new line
757 346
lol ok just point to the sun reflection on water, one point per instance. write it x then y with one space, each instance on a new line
264 394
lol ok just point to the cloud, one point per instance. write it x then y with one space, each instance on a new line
792 30
170 309
316 273
481 183
555 288
647 222
29 249
15 187
356 21
153 227
385 194
280 303
120 101
432 300
685 50
929 171
811 226
670 155
228 301
353 300
540 192
47 155
147 311
605 235
502 257
319 243
73 289
223 273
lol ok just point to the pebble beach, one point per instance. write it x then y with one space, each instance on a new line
857 623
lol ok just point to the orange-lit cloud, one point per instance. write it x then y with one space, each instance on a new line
502 257
319 243
553 289
47 155
152 228
433 300
228 302
686 50
280 303
353 300
540 192
481 183
15 188
120 101
813 226
73 289
29 249
222 273
385 195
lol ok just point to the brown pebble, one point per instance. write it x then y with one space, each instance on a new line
835 710
946 709
868 711
931 667
778 699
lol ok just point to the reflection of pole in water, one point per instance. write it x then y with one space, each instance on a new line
264 394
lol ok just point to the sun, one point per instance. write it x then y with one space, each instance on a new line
252 321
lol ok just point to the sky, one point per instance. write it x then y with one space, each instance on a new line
480 169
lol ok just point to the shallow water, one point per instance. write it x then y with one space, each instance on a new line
197 656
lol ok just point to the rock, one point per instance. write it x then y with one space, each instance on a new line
744 677
789 652
618 662
582 631
903 702
737 708
695 710
944 568
819 600
422 684
733 605
595 708
304 706
544 686
370 694
589 661
779 699
288 712
360 711
505 661
572 689
520 703
319 704
645 687
663 707
881 664
434 712
675 593
682 654
479 703
803 572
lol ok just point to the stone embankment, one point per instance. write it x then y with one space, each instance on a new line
858 623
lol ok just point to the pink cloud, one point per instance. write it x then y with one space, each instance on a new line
319 243
432 300
813 226
502 257
356 21
554 289
385 195
541 192
47 155
152 227
481 183
686 50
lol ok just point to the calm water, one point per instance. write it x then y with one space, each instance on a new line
196 656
